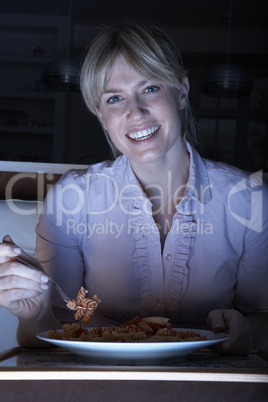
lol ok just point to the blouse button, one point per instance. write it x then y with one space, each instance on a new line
160 301
168 257
179 215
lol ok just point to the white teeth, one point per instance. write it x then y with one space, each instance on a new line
143 134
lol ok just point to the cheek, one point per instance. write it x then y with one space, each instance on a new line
167 106
110 119
111 123
101 118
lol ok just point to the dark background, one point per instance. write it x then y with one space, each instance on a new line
56 127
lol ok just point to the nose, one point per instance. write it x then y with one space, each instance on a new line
136 108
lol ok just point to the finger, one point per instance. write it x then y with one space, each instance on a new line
8 239
18 269
239 333
30 261
23 256
17 282
215 321
14 295
8 251
234 322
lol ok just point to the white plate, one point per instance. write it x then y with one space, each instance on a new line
136 353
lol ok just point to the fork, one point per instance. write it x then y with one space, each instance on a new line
31 262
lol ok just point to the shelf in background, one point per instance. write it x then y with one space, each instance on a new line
32 120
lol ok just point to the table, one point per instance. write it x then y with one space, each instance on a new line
55 374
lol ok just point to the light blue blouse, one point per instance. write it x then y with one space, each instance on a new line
97 231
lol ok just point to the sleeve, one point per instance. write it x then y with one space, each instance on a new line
252 278
58 249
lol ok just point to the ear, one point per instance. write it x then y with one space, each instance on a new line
100 117
183 94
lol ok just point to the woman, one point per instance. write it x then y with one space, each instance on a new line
158 231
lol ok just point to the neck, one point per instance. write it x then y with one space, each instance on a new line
166 178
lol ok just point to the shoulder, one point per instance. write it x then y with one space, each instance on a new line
218 178
224 176
80 177
74 186
244 194
224 171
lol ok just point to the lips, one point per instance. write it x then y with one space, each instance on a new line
142 135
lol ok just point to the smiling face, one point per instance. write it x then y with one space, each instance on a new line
142 117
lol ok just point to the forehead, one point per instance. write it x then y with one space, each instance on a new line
122 72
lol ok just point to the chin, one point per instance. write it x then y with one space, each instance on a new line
147 158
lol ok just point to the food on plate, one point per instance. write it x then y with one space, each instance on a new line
84 306
148 329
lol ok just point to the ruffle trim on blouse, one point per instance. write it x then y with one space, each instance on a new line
141 256
179 278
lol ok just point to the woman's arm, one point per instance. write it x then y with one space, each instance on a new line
59 249
25 292
245 331
251 297
237 327
27 329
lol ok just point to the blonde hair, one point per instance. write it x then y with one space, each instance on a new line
148 50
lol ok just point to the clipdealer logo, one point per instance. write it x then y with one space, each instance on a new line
254 222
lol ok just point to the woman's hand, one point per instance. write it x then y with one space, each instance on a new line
24 291
239 331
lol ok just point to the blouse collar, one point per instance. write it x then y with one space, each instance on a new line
197 187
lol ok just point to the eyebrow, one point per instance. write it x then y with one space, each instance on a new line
115 90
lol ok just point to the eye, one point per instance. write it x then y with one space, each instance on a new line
152 88
114 99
